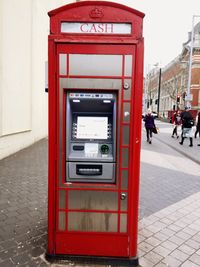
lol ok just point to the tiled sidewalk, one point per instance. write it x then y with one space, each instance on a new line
171 237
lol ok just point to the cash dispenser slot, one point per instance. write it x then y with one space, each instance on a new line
88 169
87 172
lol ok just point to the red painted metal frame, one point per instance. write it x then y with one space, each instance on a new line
57 241
52 152
136 110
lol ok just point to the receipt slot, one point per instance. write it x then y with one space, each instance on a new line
95 106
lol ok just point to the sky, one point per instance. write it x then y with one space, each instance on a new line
166 27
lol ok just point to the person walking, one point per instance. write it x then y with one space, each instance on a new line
197 125
149 125
187 123
176 120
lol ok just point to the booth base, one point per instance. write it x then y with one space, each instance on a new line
113 261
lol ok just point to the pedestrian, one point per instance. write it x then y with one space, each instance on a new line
149 125
176 120
197 125
187 124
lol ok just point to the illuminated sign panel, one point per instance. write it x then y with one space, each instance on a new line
96 28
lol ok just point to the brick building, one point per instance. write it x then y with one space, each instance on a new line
174 81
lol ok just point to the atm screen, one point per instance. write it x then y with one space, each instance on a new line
92 127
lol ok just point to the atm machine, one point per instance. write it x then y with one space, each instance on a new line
91 142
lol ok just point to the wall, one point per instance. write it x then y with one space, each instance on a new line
24 28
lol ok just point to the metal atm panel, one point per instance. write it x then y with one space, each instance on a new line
91 172
91 123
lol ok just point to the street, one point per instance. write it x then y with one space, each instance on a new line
169 175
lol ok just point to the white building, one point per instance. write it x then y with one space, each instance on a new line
24 29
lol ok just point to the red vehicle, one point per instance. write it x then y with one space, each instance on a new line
95 102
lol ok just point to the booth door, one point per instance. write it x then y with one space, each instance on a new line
94 219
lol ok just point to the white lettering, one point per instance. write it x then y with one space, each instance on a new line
96 28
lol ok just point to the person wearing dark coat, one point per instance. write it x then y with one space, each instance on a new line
187 123
149 125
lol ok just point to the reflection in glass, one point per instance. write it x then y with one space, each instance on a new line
61 221
124 179
92 200
125 157
62 199
125 135
126 117
95 65
93 83
123 223
92 222
127 92
62 64
124 202
128 65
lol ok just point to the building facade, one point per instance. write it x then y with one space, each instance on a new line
24 29
171 92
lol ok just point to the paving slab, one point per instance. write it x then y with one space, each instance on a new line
181 249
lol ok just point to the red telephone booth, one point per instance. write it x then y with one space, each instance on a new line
95 106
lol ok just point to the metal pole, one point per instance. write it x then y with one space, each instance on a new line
146 90
190 62
159 85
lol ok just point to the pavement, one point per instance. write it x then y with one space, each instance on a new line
169 225
165 136
171 237
168 174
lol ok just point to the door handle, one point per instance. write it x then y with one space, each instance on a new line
123 196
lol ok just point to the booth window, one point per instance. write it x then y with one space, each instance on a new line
95 65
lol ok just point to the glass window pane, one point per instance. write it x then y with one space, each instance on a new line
96 200
61 221
93 83
128 65
62 199
125 135
127 90
125 157
95 65
63 64
124 202
127 111
92 222
124 179
123 223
